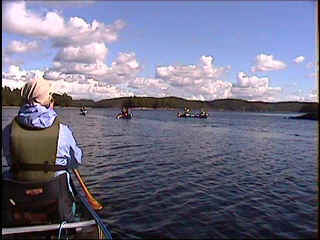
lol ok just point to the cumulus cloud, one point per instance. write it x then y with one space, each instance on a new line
254 81
91 89
78 31
17 77
89 53
299 59
266 63
78 86
254 88
302 96
22 47
125 67
81 46
201 81
18 19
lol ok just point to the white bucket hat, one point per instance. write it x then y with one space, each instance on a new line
37 90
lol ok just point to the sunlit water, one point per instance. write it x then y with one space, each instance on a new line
233 175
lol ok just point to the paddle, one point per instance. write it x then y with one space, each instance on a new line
102 226
93 202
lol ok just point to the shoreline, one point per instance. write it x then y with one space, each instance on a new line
172 109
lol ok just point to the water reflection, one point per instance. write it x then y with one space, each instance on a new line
233 175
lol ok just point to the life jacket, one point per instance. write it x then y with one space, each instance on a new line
34 195
34 152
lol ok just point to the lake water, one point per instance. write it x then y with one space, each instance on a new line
233 175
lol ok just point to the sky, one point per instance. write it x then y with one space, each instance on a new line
197 50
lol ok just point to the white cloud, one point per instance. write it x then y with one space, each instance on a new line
78 31
16 77
196 81
299 59
254 88
22 47
124 68
20 20
191 81
254 81
313 96
126 65
302 96
17 19
89 53
209 88
81 45
266 63
78 86
91 89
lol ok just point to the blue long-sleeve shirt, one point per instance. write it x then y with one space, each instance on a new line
37 116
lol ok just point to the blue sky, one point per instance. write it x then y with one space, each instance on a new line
195 50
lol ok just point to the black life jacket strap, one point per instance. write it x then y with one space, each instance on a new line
39 167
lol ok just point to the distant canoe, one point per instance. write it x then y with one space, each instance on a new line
307 116
83 112
123 116
189 115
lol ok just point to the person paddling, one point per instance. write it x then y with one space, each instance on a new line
23 143
36 145
125 112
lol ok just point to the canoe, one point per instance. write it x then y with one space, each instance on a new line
122 116
83 112
201 115
184 115
85 222
189 115
308 116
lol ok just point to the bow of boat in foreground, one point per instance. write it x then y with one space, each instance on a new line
85 223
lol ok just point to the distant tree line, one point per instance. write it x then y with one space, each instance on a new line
11 98
14 98
152 102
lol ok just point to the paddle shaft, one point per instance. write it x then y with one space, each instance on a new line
93 202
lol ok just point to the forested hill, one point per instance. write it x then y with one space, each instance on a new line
218 105
13 98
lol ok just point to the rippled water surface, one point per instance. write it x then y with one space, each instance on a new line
233 175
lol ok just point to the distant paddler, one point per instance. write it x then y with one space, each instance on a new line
186 113
125 114
83 110
202 114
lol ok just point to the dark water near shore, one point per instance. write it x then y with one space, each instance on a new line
233 175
